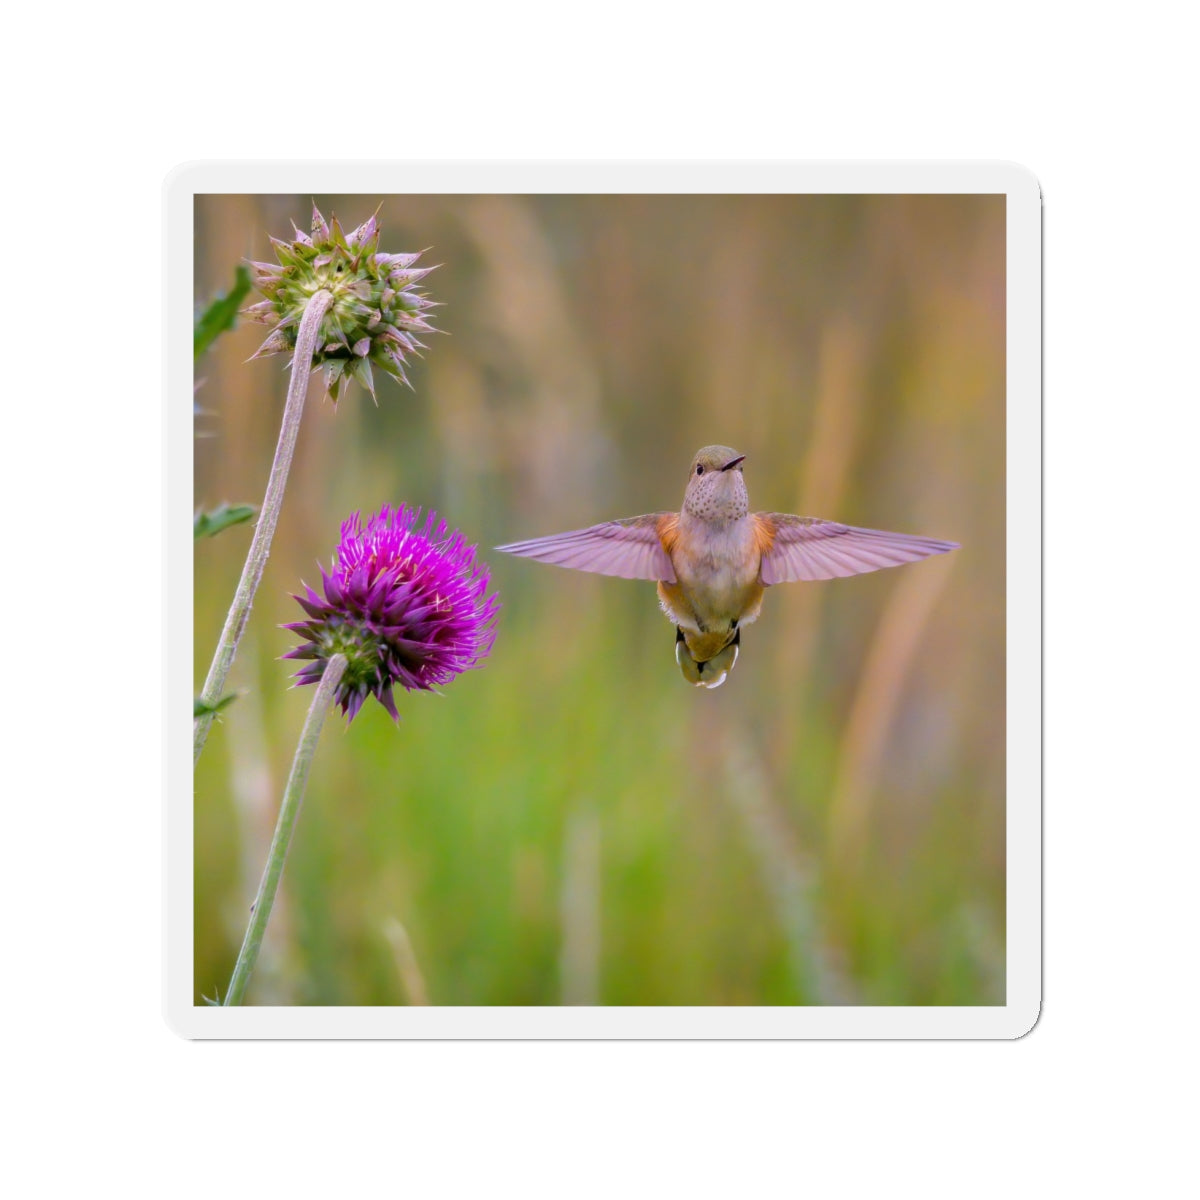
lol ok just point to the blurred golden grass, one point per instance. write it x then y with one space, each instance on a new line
572 824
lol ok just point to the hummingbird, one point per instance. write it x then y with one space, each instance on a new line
714 559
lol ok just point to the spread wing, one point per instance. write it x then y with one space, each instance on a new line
630 549
804 548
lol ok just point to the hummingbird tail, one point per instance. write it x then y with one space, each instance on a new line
711 672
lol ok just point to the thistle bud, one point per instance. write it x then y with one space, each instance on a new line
374 298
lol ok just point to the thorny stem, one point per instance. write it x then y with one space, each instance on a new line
264 530
289 810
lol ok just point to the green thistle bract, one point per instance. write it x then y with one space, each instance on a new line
376 313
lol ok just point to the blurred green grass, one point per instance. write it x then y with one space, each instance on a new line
572 822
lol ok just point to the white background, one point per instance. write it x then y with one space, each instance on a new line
101 105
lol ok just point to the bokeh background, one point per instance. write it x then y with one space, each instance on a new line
573 824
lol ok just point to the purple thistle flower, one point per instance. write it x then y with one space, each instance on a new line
405 604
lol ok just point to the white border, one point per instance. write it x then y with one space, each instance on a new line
1024 700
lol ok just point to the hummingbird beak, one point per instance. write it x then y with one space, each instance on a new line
733 462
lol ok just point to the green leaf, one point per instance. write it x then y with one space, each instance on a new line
209 524
221 314
201 709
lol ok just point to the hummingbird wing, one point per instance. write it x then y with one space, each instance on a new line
806 548
629 549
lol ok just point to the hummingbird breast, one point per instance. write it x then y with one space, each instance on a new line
717 584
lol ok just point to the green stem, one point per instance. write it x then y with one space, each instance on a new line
289 810
264 530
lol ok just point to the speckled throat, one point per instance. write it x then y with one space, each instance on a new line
716 490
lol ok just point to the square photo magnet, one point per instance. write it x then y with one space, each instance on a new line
613 601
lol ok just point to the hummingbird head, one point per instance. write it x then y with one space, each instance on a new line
716 489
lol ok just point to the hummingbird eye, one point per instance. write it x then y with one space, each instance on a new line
699 468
